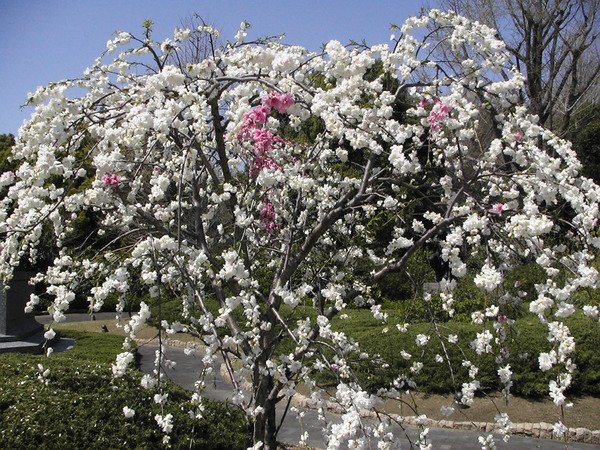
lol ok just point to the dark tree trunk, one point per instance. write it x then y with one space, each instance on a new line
265 426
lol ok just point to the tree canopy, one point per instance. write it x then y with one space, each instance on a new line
246 185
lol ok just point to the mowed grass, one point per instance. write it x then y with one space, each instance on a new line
148 333
113 326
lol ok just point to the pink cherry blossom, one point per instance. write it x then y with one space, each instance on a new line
268 216
261 162
257 115
264 140
279 101
252 119
111 179
438 113
518 136
498 208
424 103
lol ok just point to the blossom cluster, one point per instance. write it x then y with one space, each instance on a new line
111 179
263 141
438 113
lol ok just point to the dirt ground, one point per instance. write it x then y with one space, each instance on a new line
585 412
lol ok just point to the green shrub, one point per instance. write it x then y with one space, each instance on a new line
586 143
523 346
132 303
82 405
170 309
402 287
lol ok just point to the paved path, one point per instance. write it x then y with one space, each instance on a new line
185 372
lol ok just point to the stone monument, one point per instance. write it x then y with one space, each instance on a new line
19 331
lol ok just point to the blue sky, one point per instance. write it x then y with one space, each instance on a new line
49 40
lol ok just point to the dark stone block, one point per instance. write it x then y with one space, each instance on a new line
15 324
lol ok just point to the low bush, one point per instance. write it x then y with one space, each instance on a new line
132 303
82 405
523 349
171 309
399 287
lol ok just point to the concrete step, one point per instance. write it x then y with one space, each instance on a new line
31 344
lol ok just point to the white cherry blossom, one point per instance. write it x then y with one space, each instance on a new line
247 186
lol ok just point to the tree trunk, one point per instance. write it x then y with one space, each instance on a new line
265 426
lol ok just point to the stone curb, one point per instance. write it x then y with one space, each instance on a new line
541 430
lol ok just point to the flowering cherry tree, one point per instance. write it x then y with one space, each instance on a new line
248 180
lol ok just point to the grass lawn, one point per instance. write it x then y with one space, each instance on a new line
147 333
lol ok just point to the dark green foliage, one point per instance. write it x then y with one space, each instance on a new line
310 129
587 296
587 145
524 278
82 405
132 303
404 291
170 310
532 339
587 358
7 141
469 298
586 140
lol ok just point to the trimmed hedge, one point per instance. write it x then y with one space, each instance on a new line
81 407
524 341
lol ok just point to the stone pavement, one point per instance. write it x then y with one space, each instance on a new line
187 367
